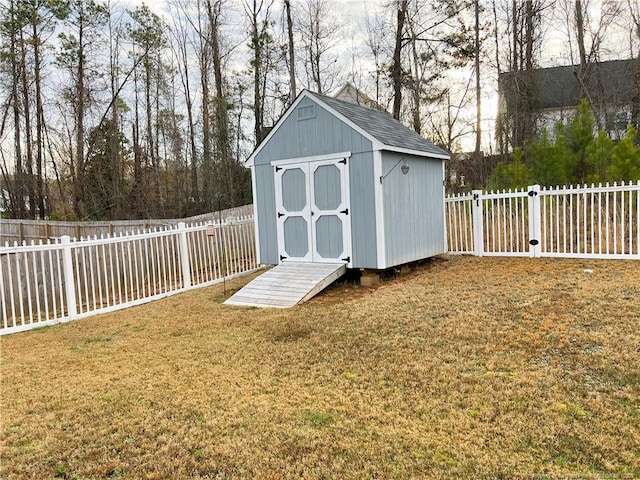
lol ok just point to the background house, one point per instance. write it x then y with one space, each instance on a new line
4 201
349 93
531 100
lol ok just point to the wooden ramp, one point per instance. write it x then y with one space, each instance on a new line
287 284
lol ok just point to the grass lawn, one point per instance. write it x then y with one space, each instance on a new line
465 368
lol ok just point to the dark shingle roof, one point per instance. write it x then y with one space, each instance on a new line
609 83
382 126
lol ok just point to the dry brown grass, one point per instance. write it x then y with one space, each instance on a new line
465 368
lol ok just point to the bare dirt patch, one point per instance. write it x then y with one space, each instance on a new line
464 368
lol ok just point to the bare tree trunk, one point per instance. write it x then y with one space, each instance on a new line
500 119
396 72
17 193
137 150
27 130
315 53
78 196
39 193
531 93
417 84
160 188
477 69
223 151
582 74
183 66
222 122
580 32
149 115
116 170
258 63
193 165
478 153
292 64
529 32
522 83
207 156
514 25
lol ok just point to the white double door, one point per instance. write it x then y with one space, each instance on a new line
312 207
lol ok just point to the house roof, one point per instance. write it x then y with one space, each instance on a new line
609 82
385 132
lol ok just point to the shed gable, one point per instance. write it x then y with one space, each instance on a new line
308 130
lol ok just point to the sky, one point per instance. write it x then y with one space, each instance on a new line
353 12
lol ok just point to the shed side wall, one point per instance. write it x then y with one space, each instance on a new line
265 202
363 214
413 208
321 134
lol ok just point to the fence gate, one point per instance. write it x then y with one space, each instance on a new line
580 222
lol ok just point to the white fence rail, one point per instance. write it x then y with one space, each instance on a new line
47 283
26 230
576 222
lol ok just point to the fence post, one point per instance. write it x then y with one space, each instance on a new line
534 220
67 269
184 255
478 223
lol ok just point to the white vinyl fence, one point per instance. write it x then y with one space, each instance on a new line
47 283
575 222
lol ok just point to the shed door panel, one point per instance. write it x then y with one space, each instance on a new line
330 211
313 211
292 201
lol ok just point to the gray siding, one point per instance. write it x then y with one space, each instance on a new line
363 211
413 209
266 207
319 135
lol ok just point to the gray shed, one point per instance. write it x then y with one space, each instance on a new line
335 182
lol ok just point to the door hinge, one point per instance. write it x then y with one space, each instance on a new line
278 169
348 259
345 211
282 257
280 214
343 161
533 242
532 193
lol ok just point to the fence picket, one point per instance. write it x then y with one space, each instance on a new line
5 315
44 288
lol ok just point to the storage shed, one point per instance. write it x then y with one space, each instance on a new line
337 182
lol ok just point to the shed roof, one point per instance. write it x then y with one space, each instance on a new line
385 132
382 126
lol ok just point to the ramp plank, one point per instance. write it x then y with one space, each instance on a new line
287 284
